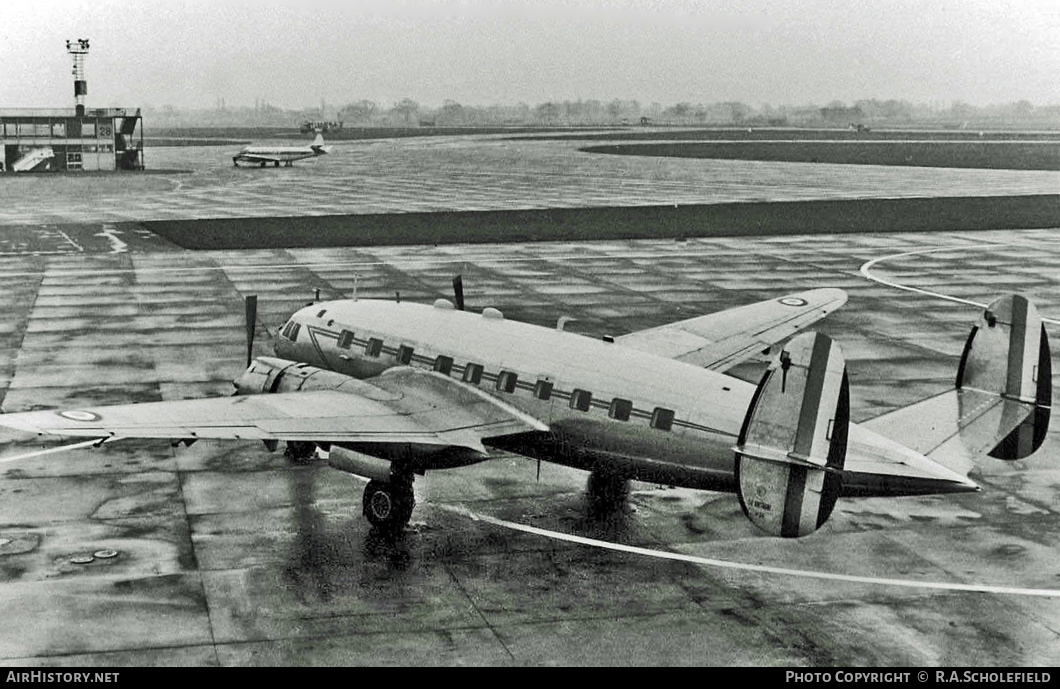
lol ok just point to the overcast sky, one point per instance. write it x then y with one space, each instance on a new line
293 53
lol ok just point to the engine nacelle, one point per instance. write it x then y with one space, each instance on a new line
792 446
271 375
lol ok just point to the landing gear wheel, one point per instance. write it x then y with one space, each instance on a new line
606 493
388 505
299 451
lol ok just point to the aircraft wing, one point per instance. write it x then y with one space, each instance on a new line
721 340
399 406
258 158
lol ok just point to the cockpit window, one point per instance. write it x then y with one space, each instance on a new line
290 331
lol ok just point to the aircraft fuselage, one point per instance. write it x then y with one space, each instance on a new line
608 407
276 155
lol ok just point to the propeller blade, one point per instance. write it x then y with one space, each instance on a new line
458 291
251 303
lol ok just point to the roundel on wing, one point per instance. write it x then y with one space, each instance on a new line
792 301
80 415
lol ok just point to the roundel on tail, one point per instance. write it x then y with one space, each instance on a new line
792 446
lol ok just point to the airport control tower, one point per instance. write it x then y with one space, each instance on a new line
61 140
79 48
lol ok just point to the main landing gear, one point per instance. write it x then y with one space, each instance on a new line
299 451
388 505
606 493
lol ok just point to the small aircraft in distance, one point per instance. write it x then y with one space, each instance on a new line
395 389
264 155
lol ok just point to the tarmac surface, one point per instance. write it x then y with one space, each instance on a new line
138 553
463 173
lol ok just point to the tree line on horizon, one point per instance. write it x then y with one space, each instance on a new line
409 113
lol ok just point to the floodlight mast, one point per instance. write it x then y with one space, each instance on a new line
79 48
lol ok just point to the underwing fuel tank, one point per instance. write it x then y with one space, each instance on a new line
792 446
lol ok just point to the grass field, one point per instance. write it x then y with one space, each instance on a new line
639 222
995 155
806 134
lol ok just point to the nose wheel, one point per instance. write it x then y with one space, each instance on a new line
389 505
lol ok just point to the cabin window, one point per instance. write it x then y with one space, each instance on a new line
404 354
620 409
506 381
444 364
374 347
543 389
581 399
473 374
345 339
663 419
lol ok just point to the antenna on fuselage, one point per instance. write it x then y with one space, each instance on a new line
250 304
458 291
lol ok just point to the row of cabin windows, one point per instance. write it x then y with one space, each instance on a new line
620 409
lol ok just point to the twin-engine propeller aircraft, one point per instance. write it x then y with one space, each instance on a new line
264 155
395 389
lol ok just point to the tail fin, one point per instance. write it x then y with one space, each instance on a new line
792 446
1002 398
318 144
1011 331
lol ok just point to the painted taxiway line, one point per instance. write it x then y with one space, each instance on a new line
765 569
867 266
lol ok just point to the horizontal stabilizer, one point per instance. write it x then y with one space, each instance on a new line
791 449
1002 398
